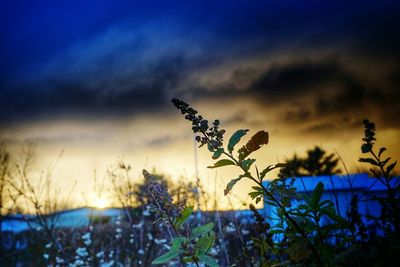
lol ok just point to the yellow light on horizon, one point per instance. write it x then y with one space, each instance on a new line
99 202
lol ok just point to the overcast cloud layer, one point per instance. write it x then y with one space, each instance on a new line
98 60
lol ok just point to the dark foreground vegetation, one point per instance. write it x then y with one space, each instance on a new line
166 229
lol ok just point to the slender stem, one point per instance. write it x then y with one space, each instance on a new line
391 193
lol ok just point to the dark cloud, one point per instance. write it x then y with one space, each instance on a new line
323 90
130 94
293 79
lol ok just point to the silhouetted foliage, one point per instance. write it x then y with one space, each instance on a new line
317 162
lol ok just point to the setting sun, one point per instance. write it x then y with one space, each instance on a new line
99 202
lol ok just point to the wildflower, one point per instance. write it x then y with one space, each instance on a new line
212 136
249 244
214 251
79 262
48 245
107 264
141 251
139 225
86 239
160 241
245 232
150 236
82 252
146 212
59 260
158 192
118 234
111 254
100 255
230 228
369 136
46 256
86 236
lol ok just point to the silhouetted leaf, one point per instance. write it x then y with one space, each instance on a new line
381 151
246 164
231 184
235 138
316 195
368 160
221 163
255 143
270 168
391 166
385 161
255 194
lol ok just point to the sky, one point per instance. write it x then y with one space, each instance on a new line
93 81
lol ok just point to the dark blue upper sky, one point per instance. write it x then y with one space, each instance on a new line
67 57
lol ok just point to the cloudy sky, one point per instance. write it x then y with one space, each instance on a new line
94 79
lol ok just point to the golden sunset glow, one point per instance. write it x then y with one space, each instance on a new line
103 91
99 202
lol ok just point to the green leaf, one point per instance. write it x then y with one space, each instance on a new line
177 243
368 160
218 153
221 163
203 229
235 138
204 244
209 261
184 216
167 257
231 184
246 164
187 259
